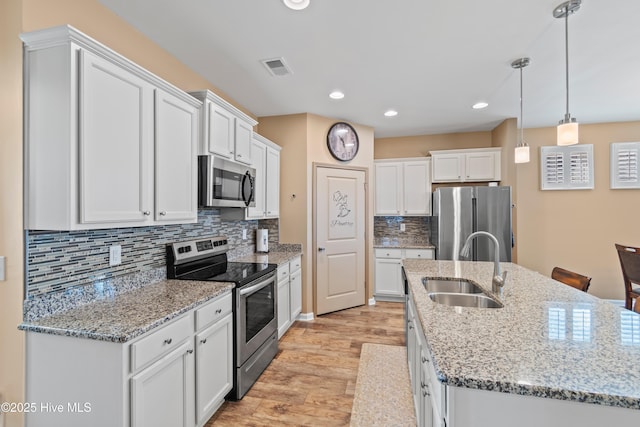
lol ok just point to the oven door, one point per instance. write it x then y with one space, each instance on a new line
256 308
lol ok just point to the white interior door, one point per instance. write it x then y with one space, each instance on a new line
340 243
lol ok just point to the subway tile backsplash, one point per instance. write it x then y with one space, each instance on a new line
58 260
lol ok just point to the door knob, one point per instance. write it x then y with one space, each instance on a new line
321 249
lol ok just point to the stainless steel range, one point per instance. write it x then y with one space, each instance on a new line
255 308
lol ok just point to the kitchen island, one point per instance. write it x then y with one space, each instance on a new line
551 356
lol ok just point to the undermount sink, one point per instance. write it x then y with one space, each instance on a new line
464 300
458 286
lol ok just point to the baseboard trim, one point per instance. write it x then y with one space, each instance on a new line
372 301
305 317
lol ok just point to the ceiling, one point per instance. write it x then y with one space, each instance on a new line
428 59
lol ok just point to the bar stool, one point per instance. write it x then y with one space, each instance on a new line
570 278
630 263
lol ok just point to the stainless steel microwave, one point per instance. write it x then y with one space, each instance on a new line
225 184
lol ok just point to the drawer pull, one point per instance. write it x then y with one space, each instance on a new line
168 341
204 341
146 213
424 359
218 311
190 351
162 213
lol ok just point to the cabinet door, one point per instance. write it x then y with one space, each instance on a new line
480 167
447 167
259 155
388 188
115 143
284 310
163 394
175 159
221 130
243 138
295 294
273 183
214 367
389 277
417 188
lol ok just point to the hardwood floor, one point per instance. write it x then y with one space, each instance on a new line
312 380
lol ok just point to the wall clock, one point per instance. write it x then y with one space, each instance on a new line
342 141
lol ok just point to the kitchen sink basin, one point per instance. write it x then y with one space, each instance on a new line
457 286
464 300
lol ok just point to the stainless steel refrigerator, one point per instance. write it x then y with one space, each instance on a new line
459 211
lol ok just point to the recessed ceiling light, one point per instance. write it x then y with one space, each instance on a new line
296 4
336 94
479 105
391 113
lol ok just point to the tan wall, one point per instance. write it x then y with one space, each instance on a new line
303 138
290 132
577 229
417 146
95 20
11 246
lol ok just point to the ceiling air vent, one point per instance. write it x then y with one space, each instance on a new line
277 67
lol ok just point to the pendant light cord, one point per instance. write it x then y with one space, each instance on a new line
566 55
521 114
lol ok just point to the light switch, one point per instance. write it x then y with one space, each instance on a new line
244 234
115 255
402 227
2 268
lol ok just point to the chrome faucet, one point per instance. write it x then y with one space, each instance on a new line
498 278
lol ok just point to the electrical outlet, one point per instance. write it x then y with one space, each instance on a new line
115 255
2 267
244 234
402 227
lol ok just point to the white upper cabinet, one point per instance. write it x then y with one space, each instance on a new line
266 161
108 144
403 187
476 164
225 131
175 158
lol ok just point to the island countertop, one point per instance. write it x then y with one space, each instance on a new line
549 340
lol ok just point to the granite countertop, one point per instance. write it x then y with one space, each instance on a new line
402 243
125 316
549 340
273 257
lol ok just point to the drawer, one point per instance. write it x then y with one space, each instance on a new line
283 272
388 253
419 253
295 264
213 311
160 342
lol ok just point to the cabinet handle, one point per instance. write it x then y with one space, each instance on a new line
425 393
238 155
146 213
190 351
424 359
410 326
162 213
422 385
168 341
204 341
321 249
218 311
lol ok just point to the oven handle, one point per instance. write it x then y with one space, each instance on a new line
256 287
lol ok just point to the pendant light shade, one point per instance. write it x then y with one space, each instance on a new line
568 127
522 149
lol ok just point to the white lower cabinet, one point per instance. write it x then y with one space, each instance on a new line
388 265
163 394
428 393
174 375
289 293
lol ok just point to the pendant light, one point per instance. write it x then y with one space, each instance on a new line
522 149
568 126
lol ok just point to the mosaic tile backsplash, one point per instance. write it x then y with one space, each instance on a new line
389 226
58 260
